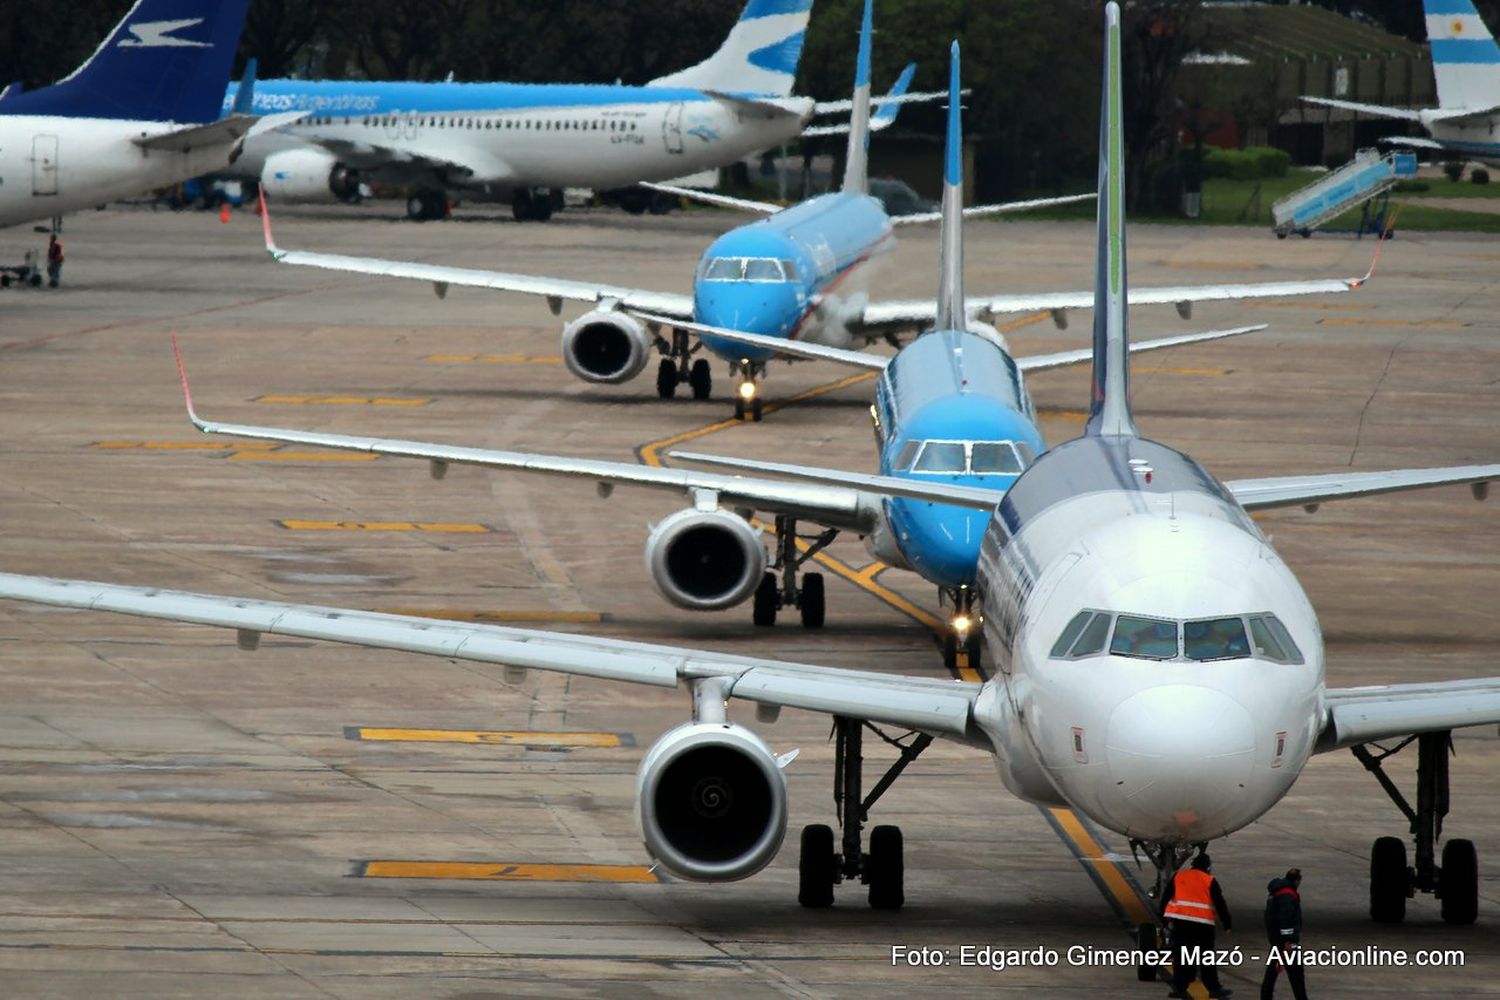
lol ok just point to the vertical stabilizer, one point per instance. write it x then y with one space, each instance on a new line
857 162
759 57
168 60
1465 59
950 301
1109 411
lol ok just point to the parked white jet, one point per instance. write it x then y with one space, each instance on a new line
1466 63
1161 668
141 113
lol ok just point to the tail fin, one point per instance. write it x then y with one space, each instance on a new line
759 57
168 60
244 95
1465 59
951 314
857 161
1109 412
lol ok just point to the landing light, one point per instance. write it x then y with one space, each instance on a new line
747 390
961 624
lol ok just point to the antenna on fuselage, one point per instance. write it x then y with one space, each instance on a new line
857 160
1109 410
951 314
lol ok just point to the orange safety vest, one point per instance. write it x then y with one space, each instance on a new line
1191 897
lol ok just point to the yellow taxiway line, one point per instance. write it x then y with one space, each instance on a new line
436 527
500 617
345 400
498 738
504 871
496 359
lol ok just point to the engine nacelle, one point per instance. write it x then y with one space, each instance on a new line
606 346
705 560
711 802
309 175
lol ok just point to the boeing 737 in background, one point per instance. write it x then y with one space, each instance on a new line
1161 669
518 142
951 407
1466 63
804 273
142 112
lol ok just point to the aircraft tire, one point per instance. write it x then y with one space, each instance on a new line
520 205
701 378
767 597
541 208
739 409
885 869
661 203
1388 881
1458 882
950 652
666 379
816 870
972 645
756 412
1145 940
813 604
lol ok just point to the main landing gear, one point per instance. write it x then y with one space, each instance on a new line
964 634
808 599
534 204
426 205
747 393
1392 882
677 367
821 867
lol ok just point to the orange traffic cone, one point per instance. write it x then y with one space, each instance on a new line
224 212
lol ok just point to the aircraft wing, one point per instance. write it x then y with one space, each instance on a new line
878 362
1390 711
940 707
1309 491
555 290
1378 110
1459 114
973 497
999 208
1410 140
879 317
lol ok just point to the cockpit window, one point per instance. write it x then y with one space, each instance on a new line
789 267
724 269
761 269
941 456
994 456
1215 639
1272 640
1070 632
1147 638
1083 636
908 452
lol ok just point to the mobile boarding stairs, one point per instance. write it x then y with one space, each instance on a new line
1368 176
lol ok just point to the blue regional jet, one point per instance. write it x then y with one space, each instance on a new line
803 273
952 414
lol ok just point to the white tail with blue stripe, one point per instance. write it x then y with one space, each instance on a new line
759 57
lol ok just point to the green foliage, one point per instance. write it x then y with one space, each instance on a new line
1411 187
1248 164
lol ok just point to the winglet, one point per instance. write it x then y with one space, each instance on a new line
1109 410
265 224
187 393
950 298
856 163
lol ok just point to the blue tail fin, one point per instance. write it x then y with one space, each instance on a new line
857 160
759 56
168 60
951 314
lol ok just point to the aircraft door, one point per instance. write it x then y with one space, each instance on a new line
411 125
671 128
44 165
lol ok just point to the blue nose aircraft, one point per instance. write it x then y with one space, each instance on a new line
952 416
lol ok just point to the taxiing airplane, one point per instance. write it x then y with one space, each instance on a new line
142 112
519 142
1466 63
950 407
1161 669
803 274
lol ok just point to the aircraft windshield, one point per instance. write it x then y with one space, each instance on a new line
766 269
952 458
1198 640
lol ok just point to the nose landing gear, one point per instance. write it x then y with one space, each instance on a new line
747 394
965 636
809 598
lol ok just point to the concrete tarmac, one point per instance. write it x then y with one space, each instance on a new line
181 818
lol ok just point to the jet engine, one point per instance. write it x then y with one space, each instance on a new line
301 175
705 560
711 802
606 346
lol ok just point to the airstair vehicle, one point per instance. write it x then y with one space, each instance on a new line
1366 177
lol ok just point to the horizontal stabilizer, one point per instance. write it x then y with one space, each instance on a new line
1378 110
1302 491
226 130
1041 362
999 208
781 345
714 198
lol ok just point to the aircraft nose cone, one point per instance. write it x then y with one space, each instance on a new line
766 308
1180 757
943 542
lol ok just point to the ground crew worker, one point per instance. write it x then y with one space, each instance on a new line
54 261
1284 931
1190 905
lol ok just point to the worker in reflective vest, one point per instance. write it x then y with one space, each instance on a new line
1191 905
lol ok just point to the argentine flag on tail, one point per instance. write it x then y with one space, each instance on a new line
1465 59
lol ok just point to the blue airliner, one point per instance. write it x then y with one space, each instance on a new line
951 414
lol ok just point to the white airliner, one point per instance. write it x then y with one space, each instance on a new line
1161 670
1466 63
141 113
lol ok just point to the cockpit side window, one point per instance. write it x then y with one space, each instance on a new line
789 268
1070 632
724 269
762 269
941 457
1272 640
994 457
904 459
1146 638
1215 639
1091 641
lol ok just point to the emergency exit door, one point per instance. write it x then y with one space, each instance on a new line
44 165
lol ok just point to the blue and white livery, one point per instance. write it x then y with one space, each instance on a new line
1466 64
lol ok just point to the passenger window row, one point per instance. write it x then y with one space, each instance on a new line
1199 640
443 121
